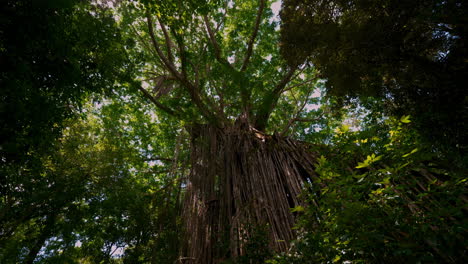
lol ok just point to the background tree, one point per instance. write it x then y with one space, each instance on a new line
104 190
52 54
412 55
397 58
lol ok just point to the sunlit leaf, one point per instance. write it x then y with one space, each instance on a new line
405 119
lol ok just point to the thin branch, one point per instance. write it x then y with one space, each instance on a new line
147 46
253 36
296 115
299 84
169 43
194 94
181 48
214 42
212 38
112 254
301 70
159 158
306 119
286 78
169 65
158 104
223 19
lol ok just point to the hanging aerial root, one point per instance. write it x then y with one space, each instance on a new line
240 178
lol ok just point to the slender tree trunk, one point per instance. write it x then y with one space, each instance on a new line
241 178
45 233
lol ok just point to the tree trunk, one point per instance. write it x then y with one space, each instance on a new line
241 178
41 239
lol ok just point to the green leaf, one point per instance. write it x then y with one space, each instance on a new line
322 159
369 160
336 259
405 119
362 165
412 152
344 128
297 209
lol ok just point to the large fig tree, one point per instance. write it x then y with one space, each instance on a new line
216 67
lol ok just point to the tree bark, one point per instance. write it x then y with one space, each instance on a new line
241 178
45 233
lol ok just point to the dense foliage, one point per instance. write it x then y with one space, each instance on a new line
412 54
384 198
104 105
53 53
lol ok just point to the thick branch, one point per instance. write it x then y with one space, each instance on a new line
253 36
45 233
194 94
169 65
270 101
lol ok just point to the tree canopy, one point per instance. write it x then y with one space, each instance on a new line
219 132
216 73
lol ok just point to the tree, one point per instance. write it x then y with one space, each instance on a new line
205 64
104 189
52 55
410 58
193 154
412 55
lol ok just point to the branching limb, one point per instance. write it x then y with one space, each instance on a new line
214 42
297 114
253 36
194 93
299 84
169 65
169 43
270 101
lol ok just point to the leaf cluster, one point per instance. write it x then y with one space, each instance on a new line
382 199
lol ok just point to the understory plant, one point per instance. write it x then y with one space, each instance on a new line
399 202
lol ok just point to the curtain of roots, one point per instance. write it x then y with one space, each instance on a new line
241 178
